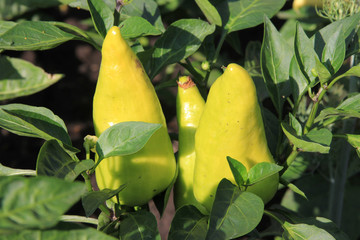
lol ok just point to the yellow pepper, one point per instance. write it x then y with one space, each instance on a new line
125 93
231 125
189 107
297 4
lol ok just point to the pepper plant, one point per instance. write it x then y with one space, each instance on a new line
305 68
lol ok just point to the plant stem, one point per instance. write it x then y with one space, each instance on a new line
105 210
216 55
23 172
279 141
289 160
317 100
292 105
74 218
86 176
87 181
88 184
219 46
270 214
77 30
197 76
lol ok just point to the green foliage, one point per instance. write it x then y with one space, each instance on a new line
138 225
20 78
91 201
53 160
188 223
275 60
234 213
50 198
124 138
181 39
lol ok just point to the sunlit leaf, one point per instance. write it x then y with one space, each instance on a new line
21 78
234 213
36 202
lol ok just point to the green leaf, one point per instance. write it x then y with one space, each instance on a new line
6 25
350 107
261 171
135 27
354 71
298 167
188 223
275 64
305 55
181 39
102 16
140 225
234 213
210 12
136 47
147 9
303 231
336 114
32 35
353 46
124 138
321 71
288 29
272 128
6 171
349 27
326 225
53 160
295 124
36 202
238 170
354 141
292 187
104 221
60 232
11 9
298 82
92 200
322 136
314 141
108 226
252 65
334 51
38 122
83 4
351 103
208 47
319 222
241 14
21 78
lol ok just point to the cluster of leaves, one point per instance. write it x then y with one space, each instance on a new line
289 68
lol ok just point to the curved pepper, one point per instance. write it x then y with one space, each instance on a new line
125 93
231 125
189 107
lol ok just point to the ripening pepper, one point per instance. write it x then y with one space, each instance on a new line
125 93
297 4
189 107
231 125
